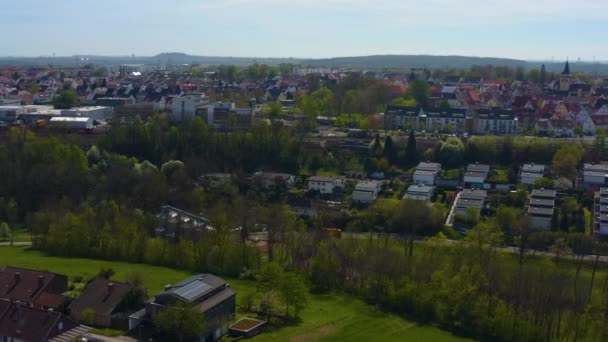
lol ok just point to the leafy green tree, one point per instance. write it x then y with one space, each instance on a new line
5 231
181 320
273 110
66 100
566 159
419 90
451 153
87 316
324 269
293 293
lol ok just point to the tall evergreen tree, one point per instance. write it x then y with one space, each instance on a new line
390 151
543 75
411 153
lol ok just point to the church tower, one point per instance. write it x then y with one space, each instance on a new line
566 79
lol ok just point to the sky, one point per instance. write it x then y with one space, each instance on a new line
523 29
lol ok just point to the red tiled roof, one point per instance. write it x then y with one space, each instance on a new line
31 324
27 285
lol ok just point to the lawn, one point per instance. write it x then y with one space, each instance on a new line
155 278
327 317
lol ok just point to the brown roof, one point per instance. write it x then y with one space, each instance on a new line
50 300
32 324
101 295
27 285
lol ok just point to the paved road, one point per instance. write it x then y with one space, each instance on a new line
22 243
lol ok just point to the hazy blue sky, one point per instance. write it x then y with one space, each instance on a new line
528 29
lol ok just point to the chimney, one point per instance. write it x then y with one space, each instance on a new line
17 277
50 311
110 288
18 309
40 281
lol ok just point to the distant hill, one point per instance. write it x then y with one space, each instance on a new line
363 62
413 61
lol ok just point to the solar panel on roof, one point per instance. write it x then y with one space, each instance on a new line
193 290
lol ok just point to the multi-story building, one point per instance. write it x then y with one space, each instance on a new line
541 206
495 121
475 175
449 120
531 172
185 108
325 185
420 192
426 173
594 175
401 117
366 191
469 199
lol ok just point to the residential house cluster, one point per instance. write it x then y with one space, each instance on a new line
35 306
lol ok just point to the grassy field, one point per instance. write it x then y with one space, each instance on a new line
19 235
327 317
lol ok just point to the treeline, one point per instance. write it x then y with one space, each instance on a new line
470 287
204 149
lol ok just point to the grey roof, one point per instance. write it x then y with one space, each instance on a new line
474 194
540 211
543 193
595 173
217 299
532 175
469 203
424 173
367 186
476 174
595 167
533 168
195 287
426 165
420 189
478 167
540 202
321 179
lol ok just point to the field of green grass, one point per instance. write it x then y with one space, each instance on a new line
327 318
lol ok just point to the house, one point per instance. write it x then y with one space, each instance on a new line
426 173
449 120
324 185
496 121
531 172
19 322
33 288
541 206
469 199
107 300
594 175
273 180
475 175
176 224
420 192
78 123
184 108
206 292
403 117
601 211
99 113
366 191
